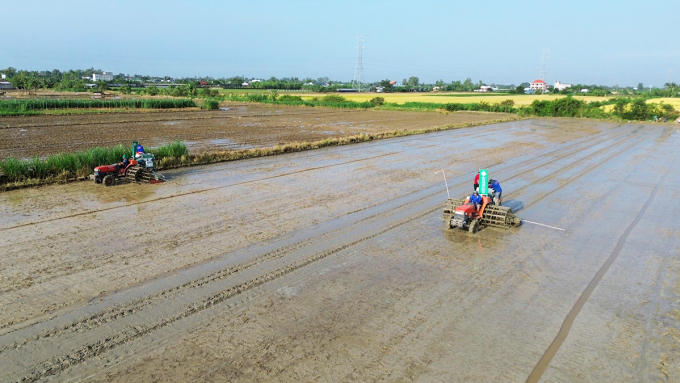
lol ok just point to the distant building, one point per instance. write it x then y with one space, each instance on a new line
529 90
245 84
436 89
538 85
560 86
6 85
104 76
486 88
584 90
2 76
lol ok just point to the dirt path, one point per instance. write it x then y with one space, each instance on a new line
333 265
240 127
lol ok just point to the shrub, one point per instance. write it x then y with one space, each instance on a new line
210 104
289 98
377 101
333 98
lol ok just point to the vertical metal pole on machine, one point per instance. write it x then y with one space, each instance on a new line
484 182
445 183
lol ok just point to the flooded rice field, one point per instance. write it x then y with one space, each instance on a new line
334 265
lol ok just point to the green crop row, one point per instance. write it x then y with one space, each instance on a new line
69 165
43 104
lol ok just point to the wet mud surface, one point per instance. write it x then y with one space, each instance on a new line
239 127
333 265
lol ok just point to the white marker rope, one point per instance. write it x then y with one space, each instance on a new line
540 224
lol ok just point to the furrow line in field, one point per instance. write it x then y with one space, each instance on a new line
169 118
67 268
59 363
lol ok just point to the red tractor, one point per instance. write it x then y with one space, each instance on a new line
140 168
464 215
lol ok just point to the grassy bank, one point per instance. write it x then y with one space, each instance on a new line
36 106
69 166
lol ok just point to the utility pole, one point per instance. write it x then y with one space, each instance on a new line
359 71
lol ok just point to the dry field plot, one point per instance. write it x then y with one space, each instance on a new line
254 125
333 265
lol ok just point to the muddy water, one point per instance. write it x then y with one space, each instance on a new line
333 265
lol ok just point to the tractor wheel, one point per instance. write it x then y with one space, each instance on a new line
109 180
474 226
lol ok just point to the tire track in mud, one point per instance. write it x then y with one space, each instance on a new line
562 334
67 268
113 341
60 363
574 178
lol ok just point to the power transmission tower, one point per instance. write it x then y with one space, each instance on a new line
359 71
670 76
546 52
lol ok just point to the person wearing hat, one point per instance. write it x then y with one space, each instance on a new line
476 199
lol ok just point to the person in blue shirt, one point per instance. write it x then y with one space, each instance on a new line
140 149
125 162
476 199
493 184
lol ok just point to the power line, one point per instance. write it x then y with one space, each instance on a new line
359 71
546 52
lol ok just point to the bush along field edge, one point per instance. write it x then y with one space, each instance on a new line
69 167
624 108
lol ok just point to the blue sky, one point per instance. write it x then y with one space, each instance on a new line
602 42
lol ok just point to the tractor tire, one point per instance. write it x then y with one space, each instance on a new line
474 226
109 180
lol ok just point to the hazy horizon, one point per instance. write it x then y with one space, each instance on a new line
607 43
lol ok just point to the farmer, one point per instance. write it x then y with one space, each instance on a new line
476 199
476 184
493 184
125 162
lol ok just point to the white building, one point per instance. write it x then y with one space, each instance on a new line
560 86
538 85
104 76
2 75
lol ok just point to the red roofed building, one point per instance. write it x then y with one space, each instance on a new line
538 85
